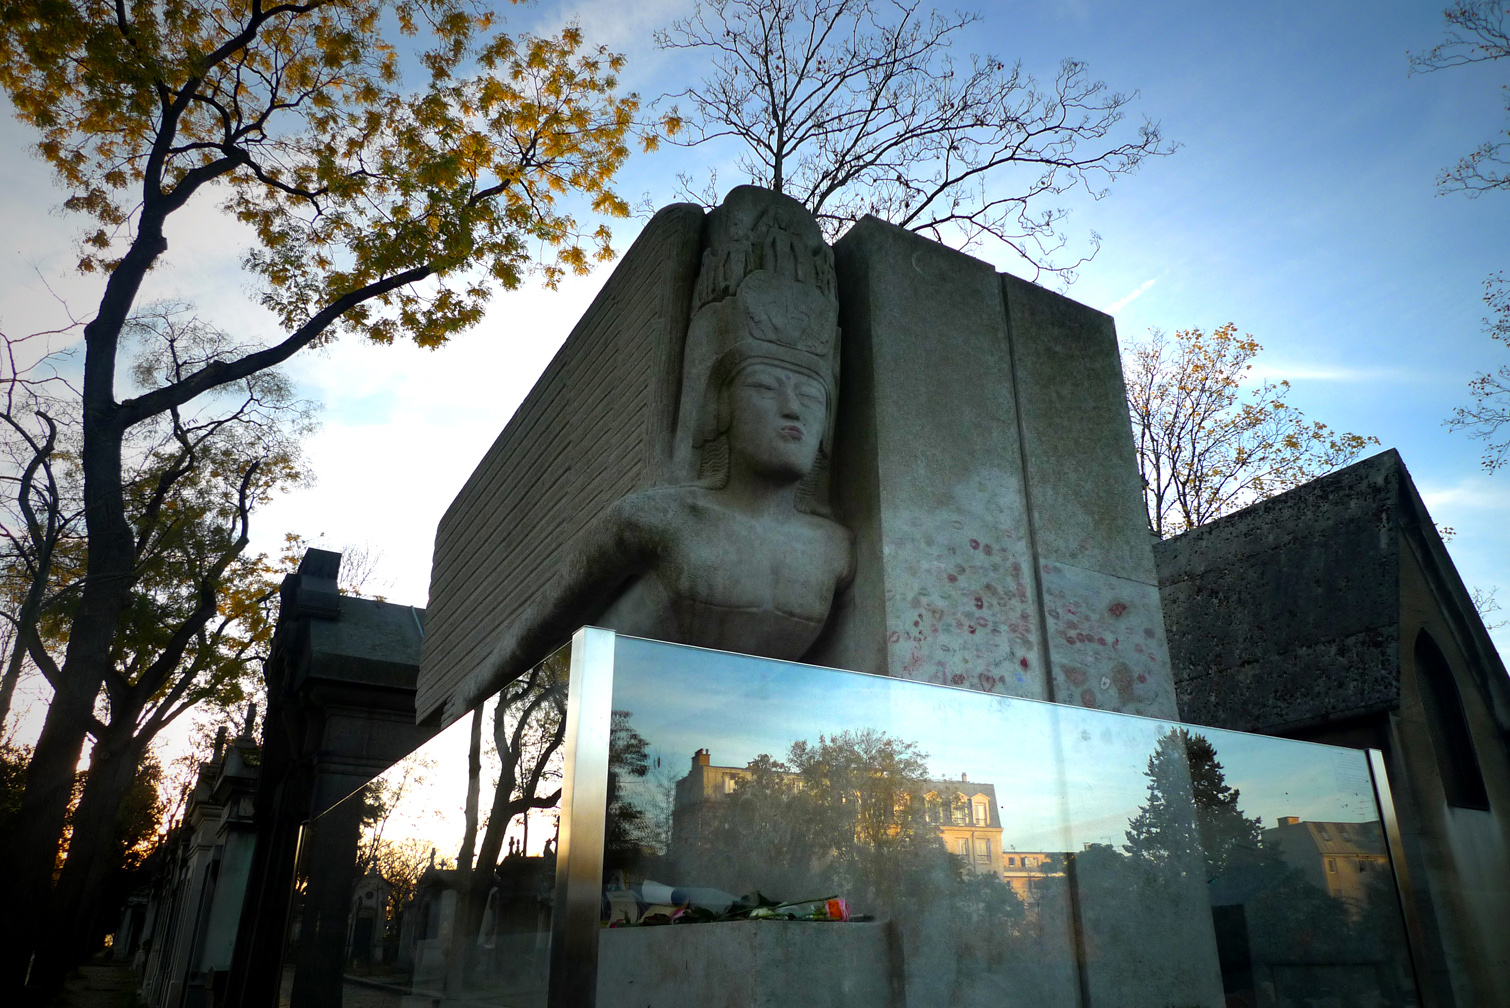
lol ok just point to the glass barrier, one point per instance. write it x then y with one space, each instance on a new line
809 836
455 850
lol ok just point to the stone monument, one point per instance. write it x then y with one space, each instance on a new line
966 511
741 554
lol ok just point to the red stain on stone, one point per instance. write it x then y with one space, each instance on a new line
893 637
1023 662
986 549
1087 698
1117 608
979 602
972 629
1075 675
1142 678
957 679
953 578
975 544
1101 641
987 681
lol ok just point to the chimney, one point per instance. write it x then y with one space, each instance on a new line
964 778
1289 820
700 758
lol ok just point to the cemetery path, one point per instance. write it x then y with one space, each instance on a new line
101 985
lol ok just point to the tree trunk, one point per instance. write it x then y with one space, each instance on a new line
39 831
93 853
16 653
474 788
107 588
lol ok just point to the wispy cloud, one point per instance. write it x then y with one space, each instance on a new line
1474 493
1297 371
1123 302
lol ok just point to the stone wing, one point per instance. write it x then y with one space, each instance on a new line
598 424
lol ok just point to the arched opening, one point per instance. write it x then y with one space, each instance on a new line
1459 765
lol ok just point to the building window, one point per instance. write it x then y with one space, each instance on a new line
1331 865
980 813
986 848
1028 862
1462 780
1012 862
1325 833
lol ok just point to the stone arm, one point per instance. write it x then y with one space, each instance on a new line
617 547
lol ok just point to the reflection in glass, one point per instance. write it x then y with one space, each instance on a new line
456 858
807 836
986 850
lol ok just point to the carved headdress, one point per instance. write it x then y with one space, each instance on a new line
765 293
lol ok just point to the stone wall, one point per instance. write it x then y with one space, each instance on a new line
1286 614
597 425
986 466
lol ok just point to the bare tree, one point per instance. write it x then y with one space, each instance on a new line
1489 413
200 611
859 107
1478 31
529 728
1205 446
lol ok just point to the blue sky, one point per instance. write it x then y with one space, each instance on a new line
1300 206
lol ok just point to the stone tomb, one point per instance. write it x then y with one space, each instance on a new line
971 440
882 456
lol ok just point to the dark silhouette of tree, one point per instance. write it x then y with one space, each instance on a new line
1191 810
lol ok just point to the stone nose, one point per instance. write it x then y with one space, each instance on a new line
791 406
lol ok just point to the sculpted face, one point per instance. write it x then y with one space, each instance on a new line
777 418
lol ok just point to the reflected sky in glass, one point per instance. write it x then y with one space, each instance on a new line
683 699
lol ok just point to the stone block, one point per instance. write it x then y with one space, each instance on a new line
748 964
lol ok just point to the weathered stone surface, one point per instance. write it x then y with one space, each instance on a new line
598 424
1106 641
985 465
1286 613
748 964
929 475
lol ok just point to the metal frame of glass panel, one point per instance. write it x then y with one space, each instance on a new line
576 922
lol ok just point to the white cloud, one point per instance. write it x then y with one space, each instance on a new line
1123 302
1270 370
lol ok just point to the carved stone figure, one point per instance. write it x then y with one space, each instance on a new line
743 555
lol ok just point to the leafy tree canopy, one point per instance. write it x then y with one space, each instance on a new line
356 188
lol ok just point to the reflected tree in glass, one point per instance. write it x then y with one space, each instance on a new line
529 727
